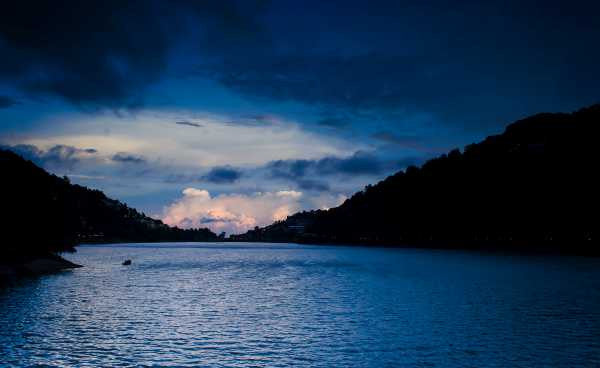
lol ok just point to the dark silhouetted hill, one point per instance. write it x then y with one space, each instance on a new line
535 186
43 213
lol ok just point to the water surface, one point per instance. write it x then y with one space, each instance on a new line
261 305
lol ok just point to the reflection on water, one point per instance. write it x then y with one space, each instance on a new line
249 305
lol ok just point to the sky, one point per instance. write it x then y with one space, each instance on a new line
235 114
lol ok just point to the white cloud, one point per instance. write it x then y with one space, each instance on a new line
236 213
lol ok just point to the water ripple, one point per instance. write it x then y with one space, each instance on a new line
212 305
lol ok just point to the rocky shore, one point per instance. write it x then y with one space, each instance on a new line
47 263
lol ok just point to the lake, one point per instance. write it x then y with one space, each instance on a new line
286 305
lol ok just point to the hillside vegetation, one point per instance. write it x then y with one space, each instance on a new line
46 213
535 186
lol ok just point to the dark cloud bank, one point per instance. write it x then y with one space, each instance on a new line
472 65
360 163
222 175
468 62
128 158
101 53
311 175
189 123
215 175
303 172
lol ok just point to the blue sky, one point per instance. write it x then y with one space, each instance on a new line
234 114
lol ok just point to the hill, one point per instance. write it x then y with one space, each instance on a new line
43 213
535 186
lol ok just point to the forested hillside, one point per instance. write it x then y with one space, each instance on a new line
43 212
533 186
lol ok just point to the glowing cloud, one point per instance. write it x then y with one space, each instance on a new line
232 213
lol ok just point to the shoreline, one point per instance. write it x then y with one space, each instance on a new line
45 264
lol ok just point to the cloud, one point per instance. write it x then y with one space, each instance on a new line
84 52
189 123
334 122
236 213
336 174
150 134
124 157
405 141
256 121
106 53
86 177
59 157
390 137
455 61
142 158
222 175
6 102
312 185
357 81
27 151
360 163
232 213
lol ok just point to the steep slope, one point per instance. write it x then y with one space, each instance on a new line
45 213
534 186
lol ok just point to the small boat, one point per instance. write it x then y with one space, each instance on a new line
127 262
